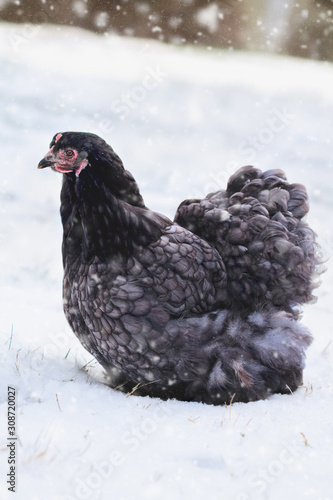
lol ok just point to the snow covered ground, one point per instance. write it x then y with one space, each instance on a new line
182 120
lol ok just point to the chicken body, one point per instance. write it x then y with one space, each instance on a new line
156 301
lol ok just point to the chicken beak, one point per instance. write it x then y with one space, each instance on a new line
44 163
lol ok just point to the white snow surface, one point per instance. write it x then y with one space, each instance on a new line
182 120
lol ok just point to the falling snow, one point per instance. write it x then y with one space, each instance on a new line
197 116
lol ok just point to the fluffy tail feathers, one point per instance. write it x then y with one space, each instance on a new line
246 359
223 356
257 225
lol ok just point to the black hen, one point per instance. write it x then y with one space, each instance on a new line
199 309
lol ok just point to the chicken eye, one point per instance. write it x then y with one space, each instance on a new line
69 153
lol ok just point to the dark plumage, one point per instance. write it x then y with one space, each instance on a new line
200 309
256 226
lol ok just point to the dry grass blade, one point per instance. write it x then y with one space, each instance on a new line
230 404
305 440
138 386
58 402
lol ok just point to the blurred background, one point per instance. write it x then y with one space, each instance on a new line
300 28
